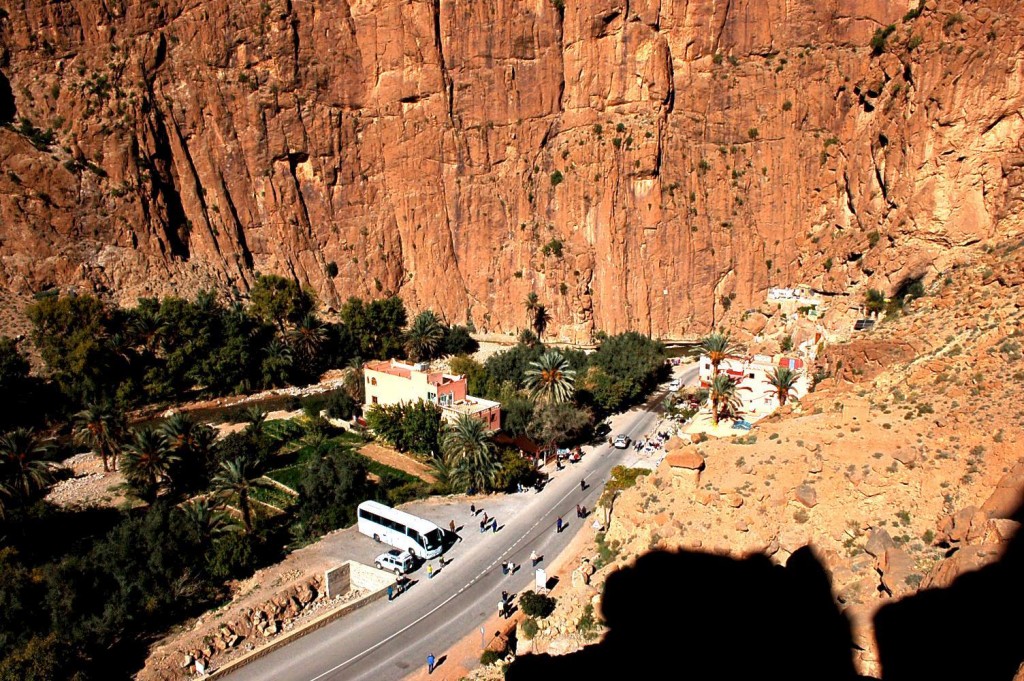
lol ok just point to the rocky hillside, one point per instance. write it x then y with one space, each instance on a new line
901 470
647 165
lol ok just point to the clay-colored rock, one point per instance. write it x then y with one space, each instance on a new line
806 495
898 572
422 155
687 459
878 542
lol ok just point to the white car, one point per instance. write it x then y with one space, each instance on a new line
620 441
396 561
675 385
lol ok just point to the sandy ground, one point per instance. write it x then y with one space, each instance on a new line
90 486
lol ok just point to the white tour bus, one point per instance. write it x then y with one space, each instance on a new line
402 530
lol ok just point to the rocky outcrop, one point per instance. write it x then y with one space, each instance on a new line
654 166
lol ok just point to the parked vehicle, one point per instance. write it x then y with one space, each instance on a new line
675 385
399 562
621 441
421 538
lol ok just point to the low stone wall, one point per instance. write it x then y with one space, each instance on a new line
347 579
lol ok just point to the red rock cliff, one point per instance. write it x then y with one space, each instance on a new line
642 164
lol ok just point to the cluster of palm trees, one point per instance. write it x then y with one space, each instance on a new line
468 456
174 458
723 394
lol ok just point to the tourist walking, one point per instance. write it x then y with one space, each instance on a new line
430 571
578 511
472 509
430 663
583 485
504 567
502 612
390 592
559 525
534 559
494 525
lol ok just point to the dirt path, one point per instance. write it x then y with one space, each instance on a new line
390 457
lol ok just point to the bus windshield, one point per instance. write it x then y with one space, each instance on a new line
433 540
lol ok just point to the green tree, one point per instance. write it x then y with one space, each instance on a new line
632 363
421 428
550 379
329 491
717 346
724 397
235 481
424 337
515 470
23 472
147 463
517 414
376 328
279 300
783 381
466 444
457 341
555 423
474 371
385 420
72 334
100 427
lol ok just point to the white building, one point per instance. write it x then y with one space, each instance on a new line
751 374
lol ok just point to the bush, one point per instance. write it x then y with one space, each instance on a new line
493 656
536 605
879 38
530 628
556 178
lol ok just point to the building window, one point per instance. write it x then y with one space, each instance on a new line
432 397
751 375
374 399
373 381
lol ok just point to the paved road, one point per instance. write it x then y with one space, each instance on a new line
385 641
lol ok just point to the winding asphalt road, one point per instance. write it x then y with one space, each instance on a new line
386 640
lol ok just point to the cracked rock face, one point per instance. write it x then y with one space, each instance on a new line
647 165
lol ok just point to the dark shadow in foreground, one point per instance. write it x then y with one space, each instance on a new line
700 616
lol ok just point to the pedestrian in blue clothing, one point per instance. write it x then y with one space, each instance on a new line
559 525
430 663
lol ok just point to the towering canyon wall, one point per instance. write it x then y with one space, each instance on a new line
640 164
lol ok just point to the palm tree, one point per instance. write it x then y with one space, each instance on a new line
528 338
208 520
424 336
256 417
148 459
874 301
354 382
99 427
235 481
550 378
469 451
277 364
22 471
192 443
541 319
531 303
723 396
308 336
784 380
717 346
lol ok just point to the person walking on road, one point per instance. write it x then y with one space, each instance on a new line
504 567
502 613
472 509
583 485
578 511
534 559
430 570
390 592
430 663
558 525
494 525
